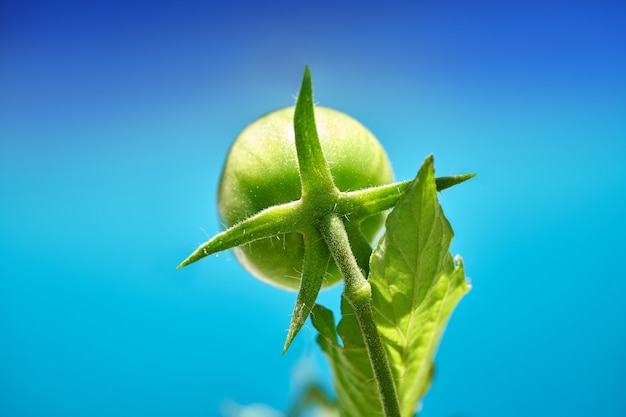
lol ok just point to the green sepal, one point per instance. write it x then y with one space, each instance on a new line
314 172
316 258
272 221
443 183
363 203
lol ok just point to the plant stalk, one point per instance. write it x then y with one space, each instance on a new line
358 292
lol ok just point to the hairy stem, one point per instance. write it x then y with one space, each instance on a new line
359 294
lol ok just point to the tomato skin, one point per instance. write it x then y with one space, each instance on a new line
261 170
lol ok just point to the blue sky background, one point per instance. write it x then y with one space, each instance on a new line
115 118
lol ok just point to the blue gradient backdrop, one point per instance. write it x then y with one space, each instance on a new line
115 118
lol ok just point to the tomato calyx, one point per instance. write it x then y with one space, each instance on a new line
320 198
291 217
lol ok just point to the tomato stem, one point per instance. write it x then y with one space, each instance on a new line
358 293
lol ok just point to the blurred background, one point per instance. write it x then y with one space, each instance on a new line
115 118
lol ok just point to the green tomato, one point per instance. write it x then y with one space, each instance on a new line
261 170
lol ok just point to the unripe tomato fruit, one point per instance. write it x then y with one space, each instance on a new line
261 170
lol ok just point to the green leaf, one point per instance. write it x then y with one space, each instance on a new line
415 285
355 386
314 397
